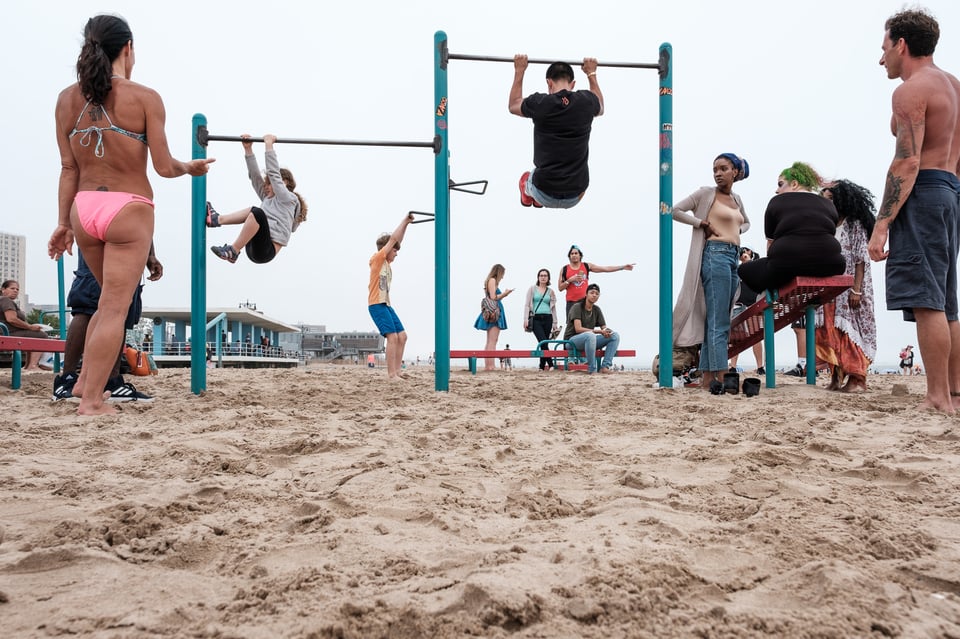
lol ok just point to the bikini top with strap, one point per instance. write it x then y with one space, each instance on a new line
87 133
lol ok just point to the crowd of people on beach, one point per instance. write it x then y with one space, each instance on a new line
820 228
108 126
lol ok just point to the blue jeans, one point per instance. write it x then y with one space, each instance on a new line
549 201
589 343
718 271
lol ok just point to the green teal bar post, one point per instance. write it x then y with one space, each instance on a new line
811 335
62 314
198 266
768 341
441 227
62 300
666 221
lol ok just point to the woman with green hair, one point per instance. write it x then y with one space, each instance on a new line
801 227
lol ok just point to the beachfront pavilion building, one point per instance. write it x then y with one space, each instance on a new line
248 338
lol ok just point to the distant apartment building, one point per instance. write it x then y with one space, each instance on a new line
13 261
315 342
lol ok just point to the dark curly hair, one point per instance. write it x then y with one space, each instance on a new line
104 37
918 29
854 204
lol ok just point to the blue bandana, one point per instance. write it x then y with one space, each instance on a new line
741 165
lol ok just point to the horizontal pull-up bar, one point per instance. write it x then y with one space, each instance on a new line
490 58
203 138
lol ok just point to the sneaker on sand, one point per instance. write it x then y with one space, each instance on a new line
797 371
121 391
63 386
225 252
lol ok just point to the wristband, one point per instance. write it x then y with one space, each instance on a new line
591 73
856 292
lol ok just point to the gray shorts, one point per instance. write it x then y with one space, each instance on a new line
924 241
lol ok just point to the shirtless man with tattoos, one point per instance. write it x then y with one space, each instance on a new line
920 209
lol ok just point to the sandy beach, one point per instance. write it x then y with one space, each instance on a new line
328 502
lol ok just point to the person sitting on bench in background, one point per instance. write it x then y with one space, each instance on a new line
16 321
587 329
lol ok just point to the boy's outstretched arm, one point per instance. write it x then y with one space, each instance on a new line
397 236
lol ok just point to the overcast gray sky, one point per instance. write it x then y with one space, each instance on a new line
760 79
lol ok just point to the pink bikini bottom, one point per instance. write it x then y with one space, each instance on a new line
96 209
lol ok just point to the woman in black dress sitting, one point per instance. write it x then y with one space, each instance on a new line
801 227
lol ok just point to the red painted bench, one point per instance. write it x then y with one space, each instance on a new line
801 296
473 355
26 345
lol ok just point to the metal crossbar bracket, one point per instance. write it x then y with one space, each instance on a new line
429 217
458 186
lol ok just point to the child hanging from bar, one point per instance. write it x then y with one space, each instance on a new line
266 228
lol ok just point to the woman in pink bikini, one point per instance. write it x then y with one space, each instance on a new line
105 126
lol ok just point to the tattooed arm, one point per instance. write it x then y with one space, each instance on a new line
909 122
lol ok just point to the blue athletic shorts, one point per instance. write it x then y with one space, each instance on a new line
385 318
924 240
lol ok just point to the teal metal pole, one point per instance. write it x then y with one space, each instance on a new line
62 301
811 335
768 341
441 227
198 267
666 221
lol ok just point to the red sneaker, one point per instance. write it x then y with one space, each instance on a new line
525 199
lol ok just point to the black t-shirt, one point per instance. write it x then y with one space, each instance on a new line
561 139
803 227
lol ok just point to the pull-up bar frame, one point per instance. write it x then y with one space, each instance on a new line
204 137
201 137
441 57
573 63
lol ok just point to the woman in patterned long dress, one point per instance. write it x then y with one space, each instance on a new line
847 340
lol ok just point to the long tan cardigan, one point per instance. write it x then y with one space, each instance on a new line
690 312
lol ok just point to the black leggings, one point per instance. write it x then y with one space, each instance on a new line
260 249
542 325
765 274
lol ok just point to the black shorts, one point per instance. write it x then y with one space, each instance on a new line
84 296
260 249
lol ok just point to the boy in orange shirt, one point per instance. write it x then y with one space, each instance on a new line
381 275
